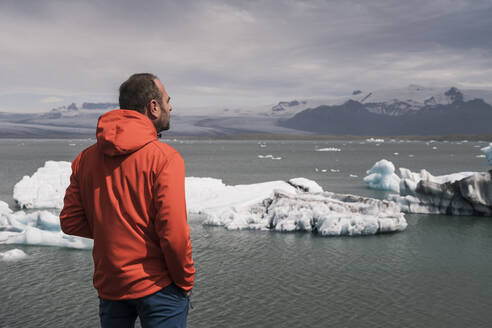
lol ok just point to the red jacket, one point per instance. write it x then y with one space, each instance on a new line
127 193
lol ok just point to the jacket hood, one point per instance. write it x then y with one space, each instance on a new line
122 131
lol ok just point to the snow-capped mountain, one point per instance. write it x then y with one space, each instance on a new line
423 106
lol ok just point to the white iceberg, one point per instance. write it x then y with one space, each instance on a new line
382 176
327 214
328 149
12 255
45 188
37 228
252 206
488 152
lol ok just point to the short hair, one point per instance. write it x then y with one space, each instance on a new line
138 91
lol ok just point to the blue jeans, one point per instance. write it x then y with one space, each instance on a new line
166 308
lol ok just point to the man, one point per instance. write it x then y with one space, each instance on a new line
127 193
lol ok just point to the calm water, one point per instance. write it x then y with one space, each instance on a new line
438 273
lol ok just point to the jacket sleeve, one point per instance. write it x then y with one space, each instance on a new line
72 217
171 222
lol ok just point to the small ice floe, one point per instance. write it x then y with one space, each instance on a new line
37 228
262 144
328 149
334 170
269 156
45 188
353 175
411 155
488 153
324 170
434 147
480 156
396 154
316 169
12 255
375 140
382 176
72 144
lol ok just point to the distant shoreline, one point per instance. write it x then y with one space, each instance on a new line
259 136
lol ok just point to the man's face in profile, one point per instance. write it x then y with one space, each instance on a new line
166 108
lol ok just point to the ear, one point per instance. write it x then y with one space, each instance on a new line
153 109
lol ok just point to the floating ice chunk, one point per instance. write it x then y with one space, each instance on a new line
328 149
382 176
334 170
374 140
353 175
480 156
269 156
45 188
396 154
327 214
409 179
306 185
209 193
467 196
411 155
488 153
13 255
37 228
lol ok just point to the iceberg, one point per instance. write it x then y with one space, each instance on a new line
471 195
298 204
488 153
45 188
12 255
326 214
409 179
382 176
328 149
37 228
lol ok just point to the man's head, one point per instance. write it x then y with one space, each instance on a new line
144 93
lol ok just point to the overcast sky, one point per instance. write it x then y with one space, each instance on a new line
238 53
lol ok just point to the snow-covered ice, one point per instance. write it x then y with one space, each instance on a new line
328 149
488 152
45 188
382 176
12 255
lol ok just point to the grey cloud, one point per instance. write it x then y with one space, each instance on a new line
261 48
